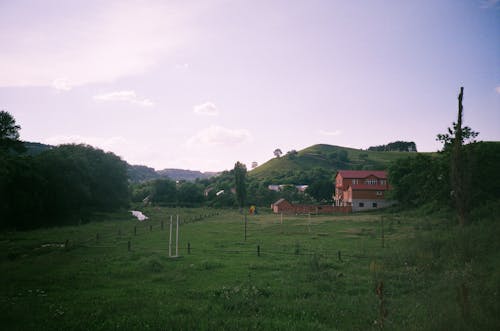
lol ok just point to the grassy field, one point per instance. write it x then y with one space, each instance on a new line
284 276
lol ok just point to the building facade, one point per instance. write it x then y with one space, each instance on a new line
361 189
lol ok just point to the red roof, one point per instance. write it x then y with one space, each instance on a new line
362 173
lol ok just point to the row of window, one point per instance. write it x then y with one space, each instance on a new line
362 204
370 181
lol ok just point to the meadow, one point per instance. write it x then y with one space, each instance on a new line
366 271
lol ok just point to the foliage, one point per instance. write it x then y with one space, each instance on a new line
62 185
419 180
240 174
277 152
397 146
9 133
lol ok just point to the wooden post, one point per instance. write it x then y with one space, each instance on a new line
245 227
170 239
189 248
309 223
258 250
340 256
66 243
129 246
150 227
382 226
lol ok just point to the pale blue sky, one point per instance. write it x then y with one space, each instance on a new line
203 84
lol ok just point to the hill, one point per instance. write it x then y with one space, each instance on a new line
326 157
182 174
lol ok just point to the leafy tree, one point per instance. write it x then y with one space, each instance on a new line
190 194
240 173
277 152
164 191
9 133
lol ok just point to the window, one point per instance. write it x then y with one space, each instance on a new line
374 205
361 204
382 182
371 181
355 181
379 193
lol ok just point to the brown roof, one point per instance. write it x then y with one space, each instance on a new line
362 173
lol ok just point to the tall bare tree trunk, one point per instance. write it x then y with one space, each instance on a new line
458 182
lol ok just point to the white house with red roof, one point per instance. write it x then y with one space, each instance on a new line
361 189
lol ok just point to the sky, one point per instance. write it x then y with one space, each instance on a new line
202 84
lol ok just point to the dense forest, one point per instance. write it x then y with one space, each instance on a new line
397 146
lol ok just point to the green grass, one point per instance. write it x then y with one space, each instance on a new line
297 282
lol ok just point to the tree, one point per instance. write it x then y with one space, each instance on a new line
277 152
9 133
460 163
240 174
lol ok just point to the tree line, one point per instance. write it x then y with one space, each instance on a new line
63 185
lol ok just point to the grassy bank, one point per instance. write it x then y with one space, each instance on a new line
286 275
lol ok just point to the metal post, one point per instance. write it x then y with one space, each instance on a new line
177 238
170 239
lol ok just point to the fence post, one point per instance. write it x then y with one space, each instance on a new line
177 238
129 246
135 230
245 227
382 225
170 238
258 250
66 243
189 248
340 256
150 227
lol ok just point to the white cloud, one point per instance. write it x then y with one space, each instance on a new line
207 108
86 45
330 133
497 89
61 84
123 96
220 136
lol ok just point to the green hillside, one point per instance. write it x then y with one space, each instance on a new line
326 157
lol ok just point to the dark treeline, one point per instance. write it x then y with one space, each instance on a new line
397 146
64 185
425 180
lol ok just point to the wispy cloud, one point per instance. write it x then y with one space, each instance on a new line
123 96
217 136
330 133
207 108
95 46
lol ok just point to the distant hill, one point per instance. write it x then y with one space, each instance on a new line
327 157
181 174
140 173
36 148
